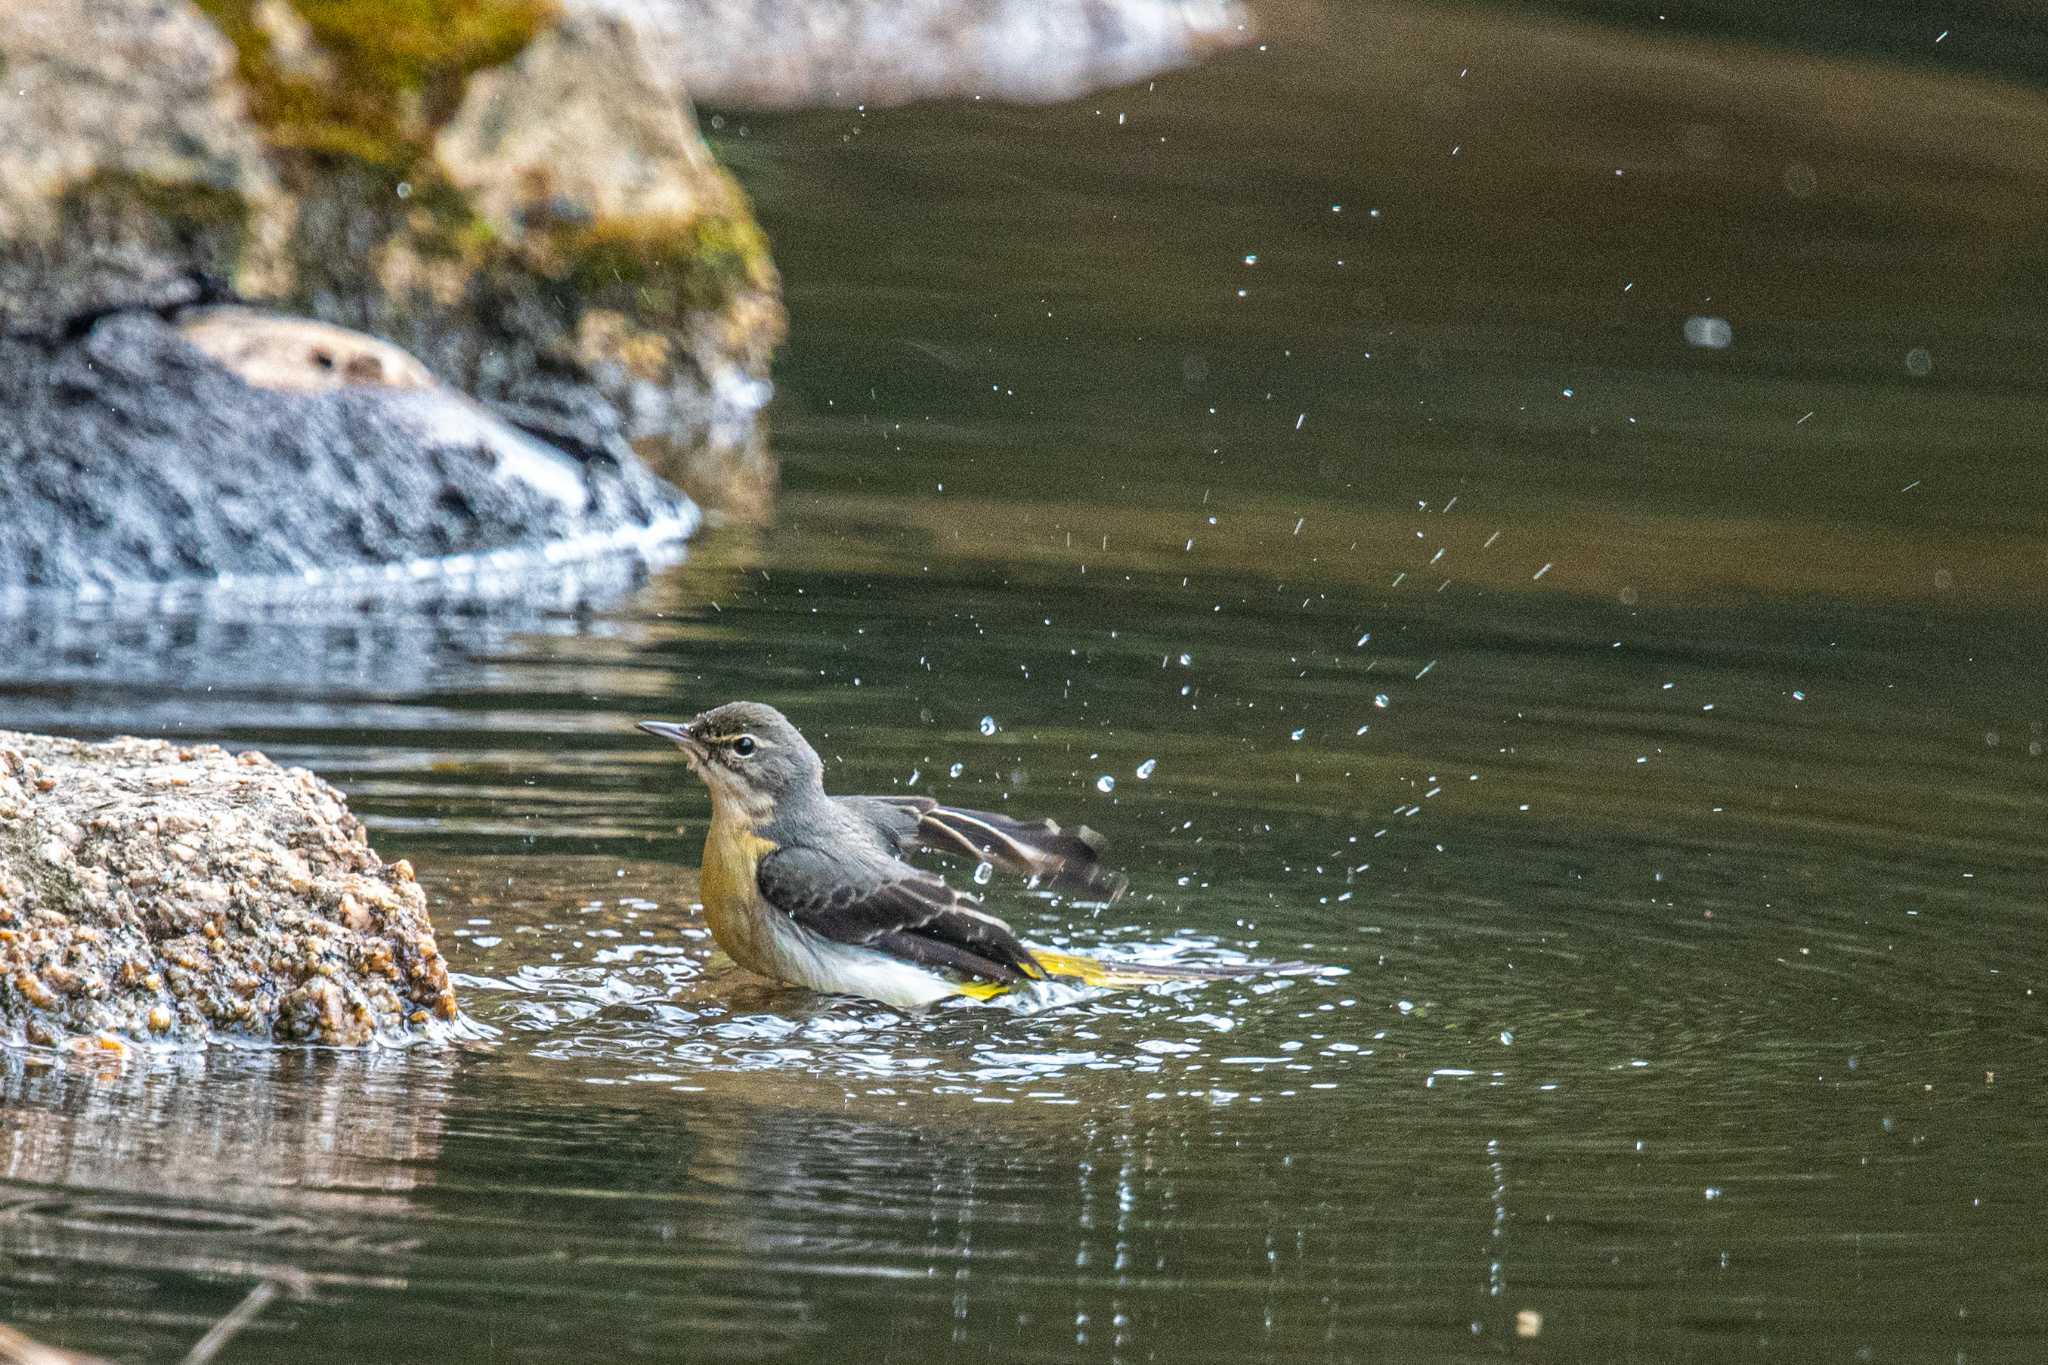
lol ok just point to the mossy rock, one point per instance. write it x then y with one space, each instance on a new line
505 188
128 177
395 68
203 224
665 268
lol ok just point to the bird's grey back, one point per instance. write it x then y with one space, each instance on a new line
866 827
892 827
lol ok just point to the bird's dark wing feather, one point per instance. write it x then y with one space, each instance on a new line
1064 859
870 900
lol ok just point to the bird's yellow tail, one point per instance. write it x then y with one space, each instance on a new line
1090 971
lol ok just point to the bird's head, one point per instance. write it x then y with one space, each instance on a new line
748 754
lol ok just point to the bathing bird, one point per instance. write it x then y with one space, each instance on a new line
815 890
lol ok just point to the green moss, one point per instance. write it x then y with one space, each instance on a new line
663 268
444 224
413 44
201 222
400 66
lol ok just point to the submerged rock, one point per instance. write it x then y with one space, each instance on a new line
155 892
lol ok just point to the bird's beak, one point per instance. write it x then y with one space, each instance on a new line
675 734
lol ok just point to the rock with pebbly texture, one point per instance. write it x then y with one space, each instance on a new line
155 892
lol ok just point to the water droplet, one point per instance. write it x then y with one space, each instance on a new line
1507 1037
1296 736
1147 768
982 873
1105 783
1186 660
988 725
956 770
1380 701
1710 334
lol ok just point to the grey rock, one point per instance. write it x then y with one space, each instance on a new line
155 893
134 458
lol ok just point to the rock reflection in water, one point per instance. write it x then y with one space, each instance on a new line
165 664
172 1182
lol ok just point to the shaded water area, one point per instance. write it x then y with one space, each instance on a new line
1651 731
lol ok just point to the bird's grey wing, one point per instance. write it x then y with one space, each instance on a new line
1063 859
870 900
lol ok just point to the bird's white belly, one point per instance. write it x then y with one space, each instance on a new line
807 959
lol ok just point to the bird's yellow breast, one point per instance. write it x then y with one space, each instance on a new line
732 895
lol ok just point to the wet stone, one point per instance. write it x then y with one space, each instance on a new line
266 916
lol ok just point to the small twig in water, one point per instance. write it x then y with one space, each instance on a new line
240 1316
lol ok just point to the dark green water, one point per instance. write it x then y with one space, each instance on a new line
1679 825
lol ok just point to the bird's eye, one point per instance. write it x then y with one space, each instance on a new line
743 746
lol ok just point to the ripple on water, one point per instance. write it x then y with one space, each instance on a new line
634 995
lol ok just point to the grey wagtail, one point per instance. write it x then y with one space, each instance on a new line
813 889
